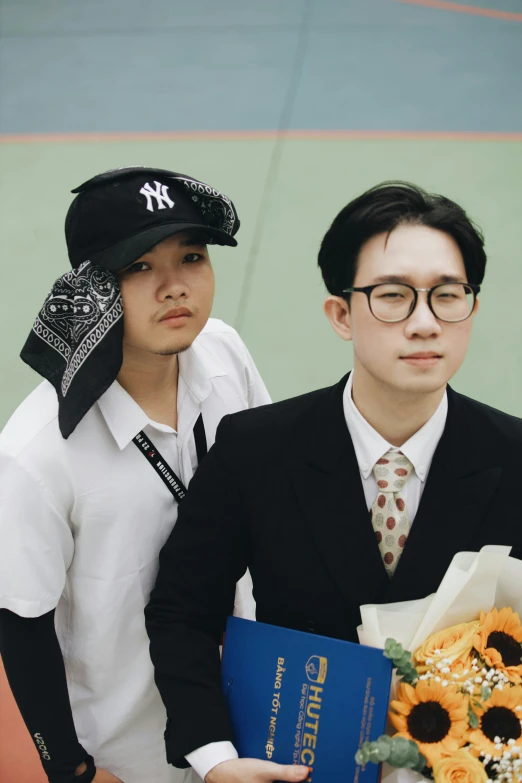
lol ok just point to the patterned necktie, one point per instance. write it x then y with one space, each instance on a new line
389 514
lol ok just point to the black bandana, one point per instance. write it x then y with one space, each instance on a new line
77 340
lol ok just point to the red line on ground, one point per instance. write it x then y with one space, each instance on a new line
474 10
270 135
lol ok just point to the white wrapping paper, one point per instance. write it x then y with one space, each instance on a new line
474 582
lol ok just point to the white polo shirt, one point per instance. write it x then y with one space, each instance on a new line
82 522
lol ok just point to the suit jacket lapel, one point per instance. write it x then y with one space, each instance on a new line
461 481
328 488
325 475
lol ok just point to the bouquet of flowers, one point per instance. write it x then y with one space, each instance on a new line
456 715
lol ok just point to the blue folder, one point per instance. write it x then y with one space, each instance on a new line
299 698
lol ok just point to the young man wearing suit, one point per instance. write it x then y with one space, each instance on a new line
359 493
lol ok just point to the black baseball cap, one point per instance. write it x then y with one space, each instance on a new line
119 215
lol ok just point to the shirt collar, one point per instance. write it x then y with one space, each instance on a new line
197 367
122 414
369 446
125 418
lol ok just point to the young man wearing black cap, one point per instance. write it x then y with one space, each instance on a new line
92 470
359 493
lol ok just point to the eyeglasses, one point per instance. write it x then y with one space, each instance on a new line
394 302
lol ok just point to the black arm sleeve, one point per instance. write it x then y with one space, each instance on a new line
35 670
204 557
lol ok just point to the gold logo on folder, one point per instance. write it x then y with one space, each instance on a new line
316 669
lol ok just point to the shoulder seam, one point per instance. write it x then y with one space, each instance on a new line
27 443
36 480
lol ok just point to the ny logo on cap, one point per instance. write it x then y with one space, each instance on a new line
160 194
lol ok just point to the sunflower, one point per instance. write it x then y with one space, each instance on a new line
499 720
499 642
432 715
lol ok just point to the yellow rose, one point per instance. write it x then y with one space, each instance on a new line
460 768
453 644
461 671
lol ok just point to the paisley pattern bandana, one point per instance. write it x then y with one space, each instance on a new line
76 342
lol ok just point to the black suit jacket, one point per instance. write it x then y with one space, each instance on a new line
281 494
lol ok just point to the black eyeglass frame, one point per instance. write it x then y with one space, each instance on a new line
369 288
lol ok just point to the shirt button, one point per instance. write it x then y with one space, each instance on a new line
364 465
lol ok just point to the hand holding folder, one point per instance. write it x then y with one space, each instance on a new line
302 699
255 771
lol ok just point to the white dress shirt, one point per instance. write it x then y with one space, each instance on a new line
369 446
82 522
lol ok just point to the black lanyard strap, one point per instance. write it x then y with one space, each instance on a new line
162 467
200 438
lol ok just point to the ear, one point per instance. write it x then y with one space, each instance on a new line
338 313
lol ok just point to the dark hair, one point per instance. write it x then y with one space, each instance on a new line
382 209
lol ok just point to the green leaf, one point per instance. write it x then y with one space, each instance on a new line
363 754
473 719
384 744
405 753
397 751
421 764
401 660
404 660
375 752
485 692
393 650
375 755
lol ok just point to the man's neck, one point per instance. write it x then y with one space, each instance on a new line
152 381
396 416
